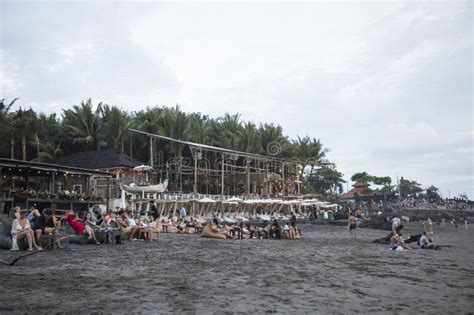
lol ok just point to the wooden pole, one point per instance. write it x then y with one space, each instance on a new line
248 177
283 175
12 149
195 171
131 146
222 175
151 151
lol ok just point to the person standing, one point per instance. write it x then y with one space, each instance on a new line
293 220
183 213
352 223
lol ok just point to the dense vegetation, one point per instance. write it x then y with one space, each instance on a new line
28 135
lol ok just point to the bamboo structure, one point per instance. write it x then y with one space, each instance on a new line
205 169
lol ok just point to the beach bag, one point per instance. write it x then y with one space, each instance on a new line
118 239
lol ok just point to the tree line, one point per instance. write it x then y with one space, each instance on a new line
35 136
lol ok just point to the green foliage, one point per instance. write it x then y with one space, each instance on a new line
89 126
326 179
409 187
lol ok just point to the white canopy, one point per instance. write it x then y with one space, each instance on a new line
143 168
233 200
208 200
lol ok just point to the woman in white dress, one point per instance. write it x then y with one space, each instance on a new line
20 229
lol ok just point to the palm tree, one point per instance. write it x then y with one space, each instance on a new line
272 140
83 125
24 121
116 123
229 127
310 152
249 139
7 130
201 130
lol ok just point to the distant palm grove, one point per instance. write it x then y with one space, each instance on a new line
28 135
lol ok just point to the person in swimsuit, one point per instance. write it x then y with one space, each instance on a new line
352 222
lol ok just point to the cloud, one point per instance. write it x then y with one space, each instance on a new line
387 87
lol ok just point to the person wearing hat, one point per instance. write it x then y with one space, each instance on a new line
20 229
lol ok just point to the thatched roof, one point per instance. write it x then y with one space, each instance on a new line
102 159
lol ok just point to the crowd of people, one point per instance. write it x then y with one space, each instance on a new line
44 193
424 240
411 203
31 225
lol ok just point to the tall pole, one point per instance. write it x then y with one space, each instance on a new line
195 171
283 176
248 177
12 149
131 145
151 151
222 174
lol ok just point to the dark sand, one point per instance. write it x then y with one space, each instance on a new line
326 271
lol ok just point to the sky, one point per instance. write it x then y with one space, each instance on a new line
386 86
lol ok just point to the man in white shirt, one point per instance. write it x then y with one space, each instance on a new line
183 213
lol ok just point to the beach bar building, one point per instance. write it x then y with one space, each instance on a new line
54 186
110 161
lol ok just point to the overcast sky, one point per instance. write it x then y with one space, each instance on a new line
387 86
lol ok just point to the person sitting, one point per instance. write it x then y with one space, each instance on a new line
45 224
94 196
21 228
66 193
32 215
76 225
127 224
110 226
90 227
96 215
145 228
427 243
286 231
214 228
397 244
275 230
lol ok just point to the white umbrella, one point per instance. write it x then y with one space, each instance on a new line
209 200
233 200
143 168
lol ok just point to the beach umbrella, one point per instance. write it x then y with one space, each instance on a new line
207 200
142 168
233 200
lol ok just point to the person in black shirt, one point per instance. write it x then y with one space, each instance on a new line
293 220
154 210
44 225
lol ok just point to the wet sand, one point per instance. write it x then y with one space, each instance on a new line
326 271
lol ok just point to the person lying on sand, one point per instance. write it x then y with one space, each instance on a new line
215 228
